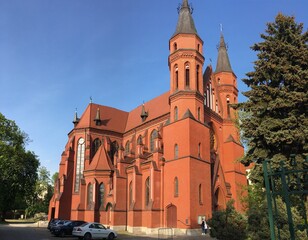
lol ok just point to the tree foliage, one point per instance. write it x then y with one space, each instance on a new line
39 202
277 99
18 167
228 224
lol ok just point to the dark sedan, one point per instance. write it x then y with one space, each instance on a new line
66 228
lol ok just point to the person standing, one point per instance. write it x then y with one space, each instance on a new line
204 226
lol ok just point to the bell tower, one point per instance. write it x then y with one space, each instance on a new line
185 66
226 83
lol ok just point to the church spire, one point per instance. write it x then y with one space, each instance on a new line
185 22
223 63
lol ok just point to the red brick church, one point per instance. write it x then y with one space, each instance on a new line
166 163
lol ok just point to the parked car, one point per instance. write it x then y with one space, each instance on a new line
51 222
66 228
57 223
94 230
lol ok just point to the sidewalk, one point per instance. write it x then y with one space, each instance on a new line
126 236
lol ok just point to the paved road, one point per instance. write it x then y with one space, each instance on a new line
24 232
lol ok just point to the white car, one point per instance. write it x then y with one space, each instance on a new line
94 230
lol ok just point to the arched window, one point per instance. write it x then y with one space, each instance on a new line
152 140
147 191
127 150
187 77
228 107
95 145
176 77
131 193
139 140
175 113
90 194
200 194
199 113
199 150
176 151
79 162
175 46
197 77
176 187
101 195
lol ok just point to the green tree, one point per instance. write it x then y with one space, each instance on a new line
277 101
228 224
18 167
276 126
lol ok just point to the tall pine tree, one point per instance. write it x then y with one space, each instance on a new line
277 101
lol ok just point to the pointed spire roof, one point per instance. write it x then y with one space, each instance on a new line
76 119
144 113
185 22
223 63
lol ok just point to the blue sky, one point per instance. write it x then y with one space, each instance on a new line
55 54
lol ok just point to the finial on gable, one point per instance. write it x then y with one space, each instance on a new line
144 114
76 119
97 119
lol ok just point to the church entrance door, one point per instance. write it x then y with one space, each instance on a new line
171 216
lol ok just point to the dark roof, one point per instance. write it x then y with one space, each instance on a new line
223 63
185 22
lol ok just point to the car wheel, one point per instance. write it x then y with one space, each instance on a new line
87 236
111 236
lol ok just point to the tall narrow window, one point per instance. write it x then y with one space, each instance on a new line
79 163
131 193
101 196
197 77
152 140
228 106
199 114
176 151
208 103
127 150
200 195
176 77
199 150
187 80
90 195
175 113
176 187
147 191
175 46
95 145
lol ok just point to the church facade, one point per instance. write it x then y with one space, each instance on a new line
167 163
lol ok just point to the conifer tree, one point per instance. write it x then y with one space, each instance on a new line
277 99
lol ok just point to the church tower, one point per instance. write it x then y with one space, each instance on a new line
187 161
227 94
227 91
185 65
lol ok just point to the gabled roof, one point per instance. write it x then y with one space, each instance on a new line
155 108
185 22
100 160
223 63
110 118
